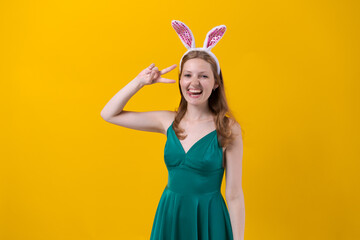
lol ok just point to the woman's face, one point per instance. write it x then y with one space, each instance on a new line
197 81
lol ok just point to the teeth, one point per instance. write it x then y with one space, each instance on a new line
194 91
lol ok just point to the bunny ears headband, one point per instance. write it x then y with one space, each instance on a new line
187 38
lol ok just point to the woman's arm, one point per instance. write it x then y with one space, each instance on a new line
118 102
145 121
234 193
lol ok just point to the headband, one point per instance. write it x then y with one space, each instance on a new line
187 38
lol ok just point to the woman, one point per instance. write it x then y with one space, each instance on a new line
191 206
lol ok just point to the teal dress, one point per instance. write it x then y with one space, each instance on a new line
191 206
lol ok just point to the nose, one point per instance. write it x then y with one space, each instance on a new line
195 79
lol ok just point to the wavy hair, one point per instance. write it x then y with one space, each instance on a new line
217 103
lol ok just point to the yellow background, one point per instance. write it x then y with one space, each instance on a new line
291 72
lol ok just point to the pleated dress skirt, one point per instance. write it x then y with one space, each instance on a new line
191 206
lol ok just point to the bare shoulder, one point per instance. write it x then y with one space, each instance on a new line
168 118
236 131
235 127
164 117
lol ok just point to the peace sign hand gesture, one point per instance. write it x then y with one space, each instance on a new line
152 75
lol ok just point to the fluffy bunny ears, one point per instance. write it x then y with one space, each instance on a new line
187 38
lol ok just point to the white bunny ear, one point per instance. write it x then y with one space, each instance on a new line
214 36
184 33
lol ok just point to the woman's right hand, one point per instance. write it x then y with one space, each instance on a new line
152 75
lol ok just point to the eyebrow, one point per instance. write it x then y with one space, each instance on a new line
199 72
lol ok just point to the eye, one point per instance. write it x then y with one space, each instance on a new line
187 75
205 76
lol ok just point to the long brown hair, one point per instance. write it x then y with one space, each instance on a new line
217 103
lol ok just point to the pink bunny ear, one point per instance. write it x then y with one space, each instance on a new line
184 33
214 36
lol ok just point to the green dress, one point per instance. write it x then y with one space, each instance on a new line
191 206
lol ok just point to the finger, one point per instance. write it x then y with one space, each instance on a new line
152 74
155 69
166 80
151 66
168 69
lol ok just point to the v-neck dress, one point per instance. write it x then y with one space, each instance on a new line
191 206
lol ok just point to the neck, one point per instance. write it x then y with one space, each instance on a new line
198 112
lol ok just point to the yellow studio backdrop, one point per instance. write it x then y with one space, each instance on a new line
291 73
